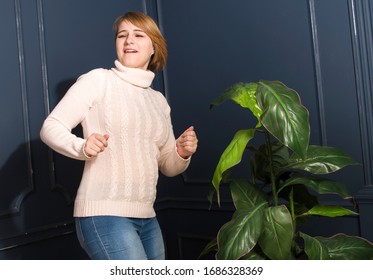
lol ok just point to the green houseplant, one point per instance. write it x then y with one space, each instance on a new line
286 171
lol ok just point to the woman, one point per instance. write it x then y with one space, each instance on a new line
128 138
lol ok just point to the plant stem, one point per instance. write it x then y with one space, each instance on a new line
292 213
291 206
252 170
273 179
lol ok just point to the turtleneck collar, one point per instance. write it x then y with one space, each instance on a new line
137 77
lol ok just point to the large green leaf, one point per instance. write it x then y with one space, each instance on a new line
225 179
277 235
329 211
279 159
252 255
243 94
338 247
246 195
318 184
314 249
231 156
237 237
284 116
303 199
321 160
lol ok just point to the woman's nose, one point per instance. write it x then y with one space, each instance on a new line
129 40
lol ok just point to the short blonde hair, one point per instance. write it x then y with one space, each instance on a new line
147 24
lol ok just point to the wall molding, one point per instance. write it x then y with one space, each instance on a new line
163 76
362 44
54 186
37 235
15 206
318 71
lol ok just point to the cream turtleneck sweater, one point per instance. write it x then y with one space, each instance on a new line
121 181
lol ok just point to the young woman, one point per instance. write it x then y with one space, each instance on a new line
128 139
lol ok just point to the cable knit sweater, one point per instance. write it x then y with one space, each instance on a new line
121 181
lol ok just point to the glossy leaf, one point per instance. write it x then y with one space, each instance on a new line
256 230
314 248
252 256
225 178
210 194
329 211
244 95
246 195
237 237
284 116
280 158
302 197
321 160
277 235
338 247
231 156
318 184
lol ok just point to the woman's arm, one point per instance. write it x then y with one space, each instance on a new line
69 112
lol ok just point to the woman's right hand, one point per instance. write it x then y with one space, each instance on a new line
95 144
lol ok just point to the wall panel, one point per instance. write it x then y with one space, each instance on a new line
306 44
15 174
212 48
361 13
45 46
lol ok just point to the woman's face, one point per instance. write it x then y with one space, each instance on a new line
134 48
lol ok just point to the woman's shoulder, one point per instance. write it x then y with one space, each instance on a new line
159 95
96 73
92 84
161 100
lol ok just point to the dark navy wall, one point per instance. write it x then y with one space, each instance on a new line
322 49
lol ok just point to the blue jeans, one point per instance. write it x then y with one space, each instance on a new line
120 238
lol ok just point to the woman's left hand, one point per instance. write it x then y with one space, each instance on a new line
186 144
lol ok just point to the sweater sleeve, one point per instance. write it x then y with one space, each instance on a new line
170 163
69 112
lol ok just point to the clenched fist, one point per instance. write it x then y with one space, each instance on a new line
95 144
186 144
